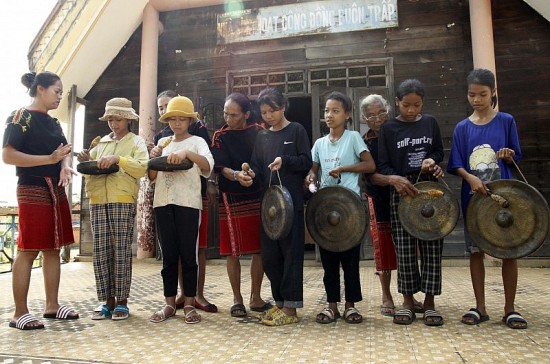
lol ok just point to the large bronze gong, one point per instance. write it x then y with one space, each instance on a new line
336 218
508 230
430 215
277 212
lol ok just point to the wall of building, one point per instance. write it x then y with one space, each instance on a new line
432 43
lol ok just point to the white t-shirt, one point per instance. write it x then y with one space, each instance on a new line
343 152
182 188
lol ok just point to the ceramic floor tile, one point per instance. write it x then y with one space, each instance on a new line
220 338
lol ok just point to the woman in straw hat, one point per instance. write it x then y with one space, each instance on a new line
35 144
177 204
113 207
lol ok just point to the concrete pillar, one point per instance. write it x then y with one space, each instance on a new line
148 92
481 25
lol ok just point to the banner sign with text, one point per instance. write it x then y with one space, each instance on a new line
307 18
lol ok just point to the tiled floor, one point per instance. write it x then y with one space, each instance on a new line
222 339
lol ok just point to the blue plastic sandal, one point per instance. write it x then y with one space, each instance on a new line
123 309
102 312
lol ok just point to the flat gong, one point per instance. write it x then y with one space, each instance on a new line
277 212
430 215
160 164
336 218
90 167
510 232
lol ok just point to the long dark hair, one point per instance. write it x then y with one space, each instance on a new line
32 80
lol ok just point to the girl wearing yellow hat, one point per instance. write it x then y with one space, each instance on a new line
177 204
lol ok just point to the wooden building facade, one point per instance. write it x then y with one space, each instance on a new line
432 42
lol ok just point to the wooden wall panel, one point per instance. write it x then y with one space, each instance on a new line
432 43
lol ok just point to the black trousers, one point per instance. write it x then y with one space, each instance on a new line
178 228
350 265
283 262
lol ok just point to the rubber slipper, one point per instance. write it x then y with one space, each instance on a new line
238 310
210 307
266 315
22 323
409 316
120 309
326 316
387 310
102 312
511 319
432 318
63 313
473 317
263 308
352 316
280 318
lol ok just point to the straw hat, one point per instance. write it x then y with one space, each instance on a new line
179 106
120 107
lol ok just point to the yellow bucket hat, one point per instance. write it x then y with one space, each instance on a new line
180 106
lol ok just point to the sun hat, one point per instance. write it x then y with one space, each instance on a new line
179 106
121 107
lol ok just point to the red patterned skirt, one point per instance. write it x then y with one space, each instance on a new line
44 217
382 242
239 226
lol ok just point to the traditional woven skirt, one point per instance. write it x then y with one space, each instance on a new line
239 226
44 217
382 242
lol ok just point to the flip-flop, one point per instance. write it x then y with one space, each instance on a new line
120 309
102 312
63 313
473 317
22 323
326 316
210 307
512 318
263 308
238 310
404 312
